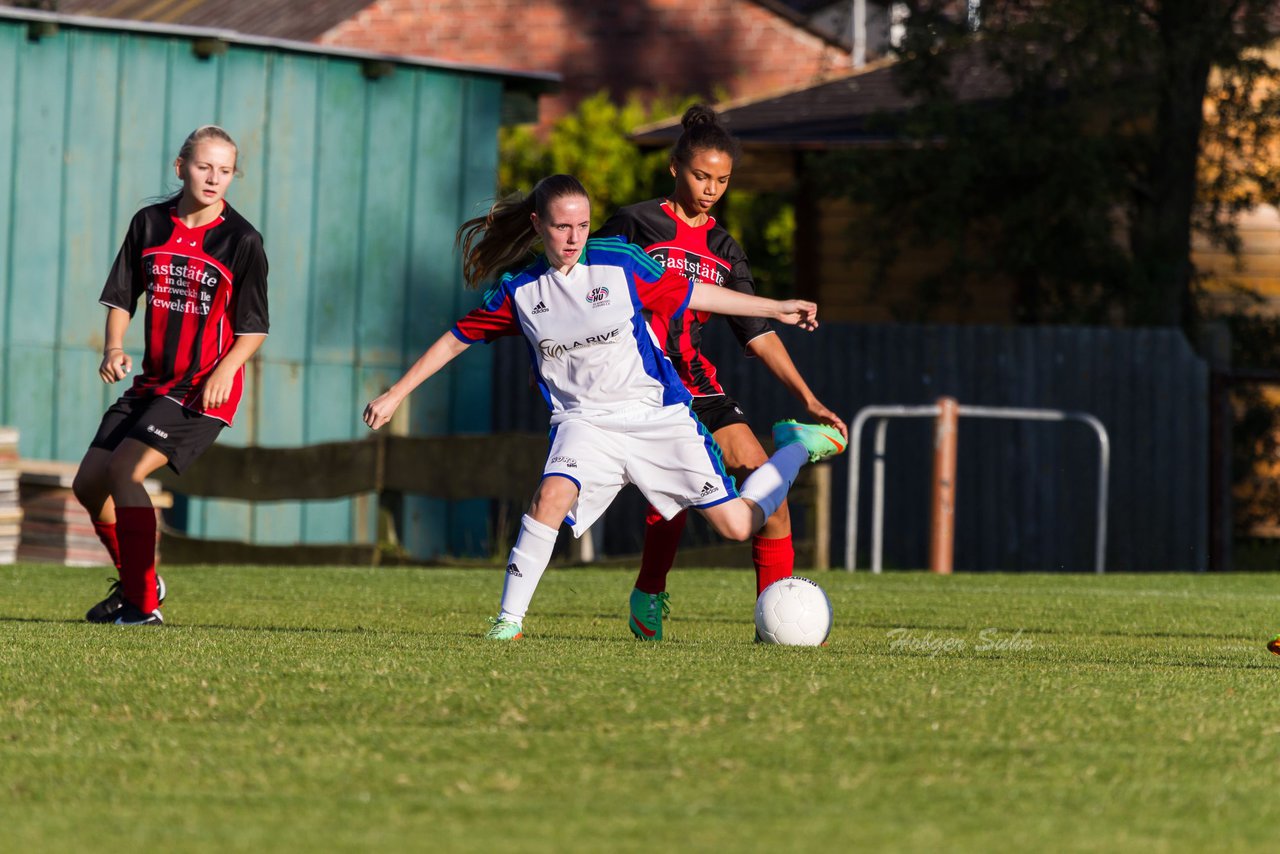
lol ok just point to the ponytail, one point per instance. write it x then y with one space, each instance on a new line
499 239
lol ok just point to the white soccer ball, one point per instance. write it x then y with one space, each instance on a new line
793 612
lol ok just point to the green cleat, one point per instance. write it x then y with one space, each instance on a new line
504 630
647 611
819 440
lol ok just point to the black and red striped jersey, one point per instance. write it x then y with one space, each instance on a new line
705 253
203 286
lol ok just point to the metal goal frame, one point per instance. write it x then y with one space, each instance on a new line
882 416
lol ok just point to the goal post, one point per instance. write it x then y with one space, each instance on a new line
943 521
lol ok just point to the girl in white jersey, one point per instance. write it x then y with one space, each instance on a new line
619 413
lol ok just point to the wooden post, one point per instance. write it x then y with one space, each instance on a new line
942 534
821 515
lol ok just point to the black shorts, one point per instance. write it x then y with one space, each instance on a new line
161 423
718 411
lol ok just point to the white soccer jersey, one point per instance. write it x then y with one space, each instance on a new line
592 350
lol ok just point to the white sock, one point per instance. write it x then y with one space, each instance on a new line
767 486
529 558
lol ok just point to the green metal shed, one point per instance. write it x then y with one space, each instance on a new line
357 168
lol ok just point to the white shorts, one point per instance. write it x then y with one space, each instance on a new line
665 452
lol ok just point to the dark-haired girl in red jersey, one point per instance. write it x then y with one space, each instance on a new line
202 272
680 233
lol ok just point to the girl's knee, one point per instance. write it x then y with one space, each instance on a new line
88 487
734 526
122 470
555 495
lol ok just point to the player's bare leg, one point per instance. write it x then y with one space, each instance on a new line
92 488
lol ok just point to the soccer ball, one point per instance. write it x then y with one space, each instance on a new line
793 612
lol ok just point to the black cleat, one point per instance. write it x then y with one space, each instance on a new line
132 615
107 610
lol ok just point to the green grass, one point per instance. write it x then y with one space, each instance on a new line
351 709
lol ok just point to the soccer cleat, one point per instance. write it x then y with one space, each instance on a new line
1274 644
819 440
106 610
132 615
647 611
504 630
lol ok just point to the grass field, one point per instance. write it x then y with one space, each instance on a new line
354 709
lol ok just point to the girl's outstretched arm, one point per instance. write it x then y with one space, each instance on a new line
439 354
718 300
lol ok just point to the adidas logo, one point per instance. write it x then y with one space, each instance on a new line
707 489
512 569
540 308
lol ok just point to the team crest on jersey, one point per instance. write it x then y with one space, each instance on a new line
598 296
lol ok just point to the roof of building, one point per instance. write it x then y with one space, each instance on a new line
280 19
835 113
289 19
528 81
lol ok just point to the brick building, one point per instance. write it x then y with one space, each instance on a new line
715 48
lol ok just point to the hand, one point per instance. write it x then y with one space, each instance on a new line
822 415
217 389
798 312
115 366
380 410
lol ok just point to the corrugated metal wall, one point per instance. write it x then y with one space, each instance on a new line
357 185
1025 492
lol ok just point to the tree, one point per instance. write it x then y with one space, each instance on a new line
1083 181
593 144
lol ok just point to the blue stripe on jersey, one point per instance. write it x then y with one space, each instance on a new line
537 375
655 362
493 297
618 252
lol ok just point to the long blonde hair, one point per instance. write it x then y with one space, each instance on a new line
499 239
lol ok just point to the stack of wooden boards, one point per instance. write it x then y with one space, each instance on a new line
55 528
10 507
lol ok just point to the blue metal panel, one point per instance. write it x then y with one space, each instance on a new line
76 392
35 252
242 112
29 369
332 416
339 164
290 195
144 153
384 213
36 259
10 41
281 425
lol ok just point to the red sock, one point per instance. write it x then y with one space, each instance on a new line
774 559
136 530
106 532
661 540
